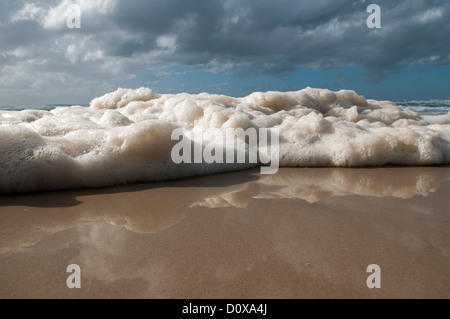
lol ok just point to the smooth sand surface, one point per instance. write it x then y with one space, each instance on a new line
301 233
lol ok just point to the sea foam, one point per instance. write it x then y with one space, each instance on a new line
125 136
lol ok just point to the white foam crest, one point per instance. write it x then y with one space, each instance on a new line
125 136
122 97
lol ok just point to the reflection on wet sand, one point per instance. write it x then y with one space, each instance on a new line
143 208
149 208
314 184
303 233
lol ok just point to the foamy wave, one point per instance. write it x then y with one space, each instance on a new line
125 136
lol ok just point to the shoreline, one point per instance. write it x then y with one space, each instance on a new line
301 233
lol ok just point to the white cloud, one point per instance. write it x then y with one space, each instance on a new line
430 15
30 11
54 17
93 55
167 42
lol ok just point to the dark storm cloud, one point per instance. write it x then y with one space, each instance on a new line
119 38
277 36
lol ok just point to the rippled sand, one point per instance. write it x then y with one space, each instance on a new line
302 233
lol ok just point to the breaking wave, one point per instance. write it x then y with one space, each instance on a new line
125 136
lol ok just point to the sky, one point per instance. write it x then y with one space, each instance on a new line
232 47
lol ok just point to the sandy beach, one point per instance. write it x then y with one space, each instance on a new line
301 233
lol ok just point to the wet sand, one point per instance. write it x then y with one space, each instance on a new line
301 233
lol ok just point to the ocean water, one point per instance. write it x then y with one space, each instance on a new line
125 136
422 107
48 107
426 107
